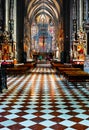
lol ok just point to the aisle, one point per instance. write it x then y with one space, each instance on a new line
41 101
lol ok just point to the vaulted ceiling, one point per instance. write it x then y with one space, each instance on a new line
50 8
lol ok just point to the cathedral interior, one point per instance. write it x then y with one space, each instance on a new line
44 64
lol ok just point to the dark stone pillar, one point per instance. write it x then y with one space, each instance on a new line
66 9
2 15
20 30
88 43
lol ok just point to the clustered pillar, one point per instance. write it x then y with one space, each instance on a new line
20 30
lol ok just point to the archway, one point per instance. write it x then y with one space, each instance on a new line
43 33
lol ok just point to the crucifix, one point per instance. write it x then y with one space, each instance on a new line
43 41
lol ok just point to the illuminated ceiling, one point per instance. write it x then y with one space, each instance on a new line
50 8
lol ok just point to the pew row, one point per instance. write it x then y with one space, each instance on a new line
62 70
20 69
70 73
76 76
16 70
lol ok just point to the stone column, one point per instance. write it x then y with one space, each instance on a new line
66 53
6 14
20 30
15 29
80 3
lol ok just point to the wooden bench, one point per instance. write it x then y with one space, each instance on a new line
62 70
76 76
56 65
16 70
20 68
30 65
73 74
60 65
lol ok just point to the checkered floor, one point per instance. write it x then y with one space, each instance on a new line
41 100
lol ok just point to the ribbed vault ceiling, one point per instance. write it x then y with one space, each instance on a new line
50 8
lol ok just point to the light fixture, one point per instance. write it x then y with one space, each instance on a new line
43 16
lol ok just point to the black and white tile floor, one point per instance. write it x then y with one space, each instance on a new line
42 101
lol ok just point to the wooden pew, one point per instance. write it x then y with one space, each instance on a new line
20 68
76 76
57 65
16 70
30 65
62 70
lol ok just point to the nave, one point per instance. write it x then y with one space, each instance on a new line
41 100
